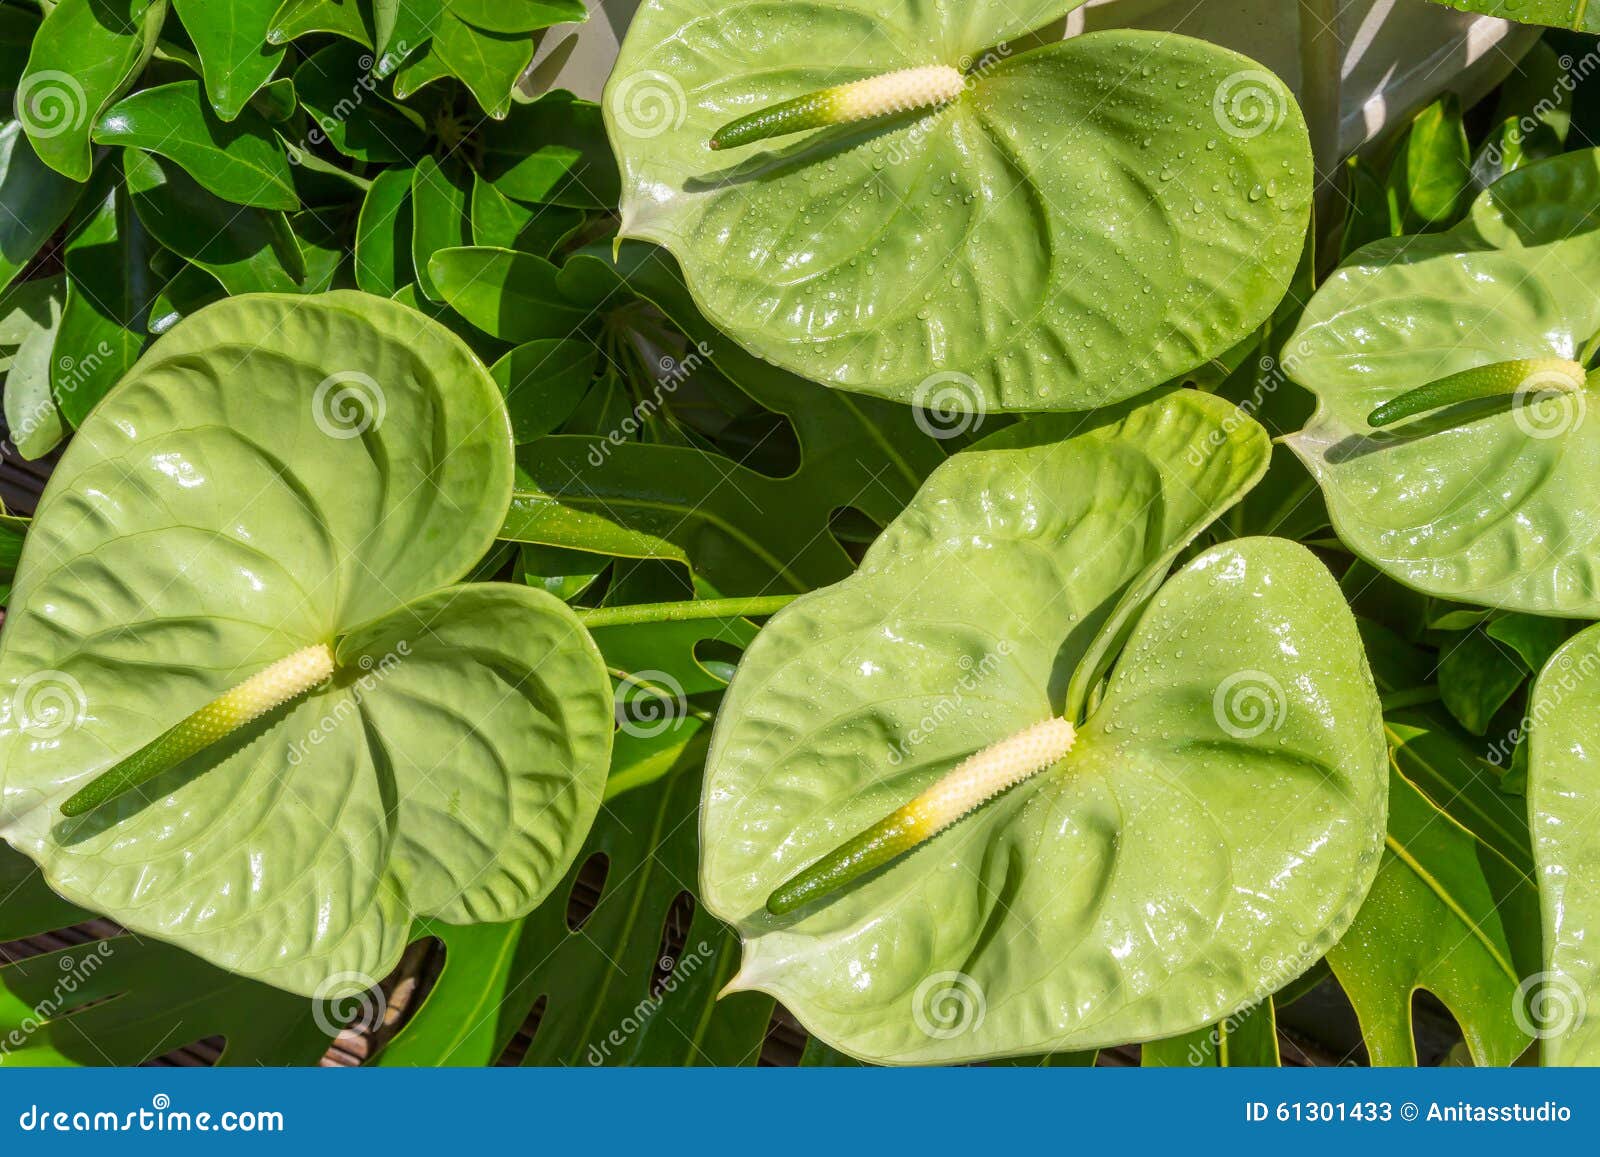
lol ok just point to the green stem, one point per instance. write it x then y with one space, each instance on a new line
1412 697
686 611
1521 376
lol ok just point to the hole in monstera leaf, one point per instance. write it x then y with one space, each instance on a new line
718 656
588 886
674 939
854 530
516 1049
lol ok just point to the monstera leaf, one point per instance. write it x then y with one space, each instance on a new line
1484 501
1563 799
1122 193
1207 838
281 473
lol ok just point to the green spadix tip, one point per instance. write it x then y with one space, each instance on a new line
905 90
1519 378
969 785
284 680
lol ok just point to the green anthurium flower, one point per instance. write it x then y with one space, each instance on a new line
1457 432
898 200
1004 791
1564 812
242 706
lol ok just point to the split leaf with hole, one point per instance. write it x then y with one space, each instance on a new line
943 202
1457 432
1213 810
265 518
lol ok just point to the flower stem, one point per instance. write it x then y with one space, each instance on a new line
893 92
284 680
685 611
972 783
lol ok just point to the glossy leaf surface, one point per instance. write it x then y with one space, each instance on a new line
1563 807
86 55
240 160
1484 502
1121 192
278 472
231 39
1158 878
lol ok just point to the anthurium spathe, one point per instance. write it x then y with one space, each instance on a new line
872 195
1457 434
238 597
1128 807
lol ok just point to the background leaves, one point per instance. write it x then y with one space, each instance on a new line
717 474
